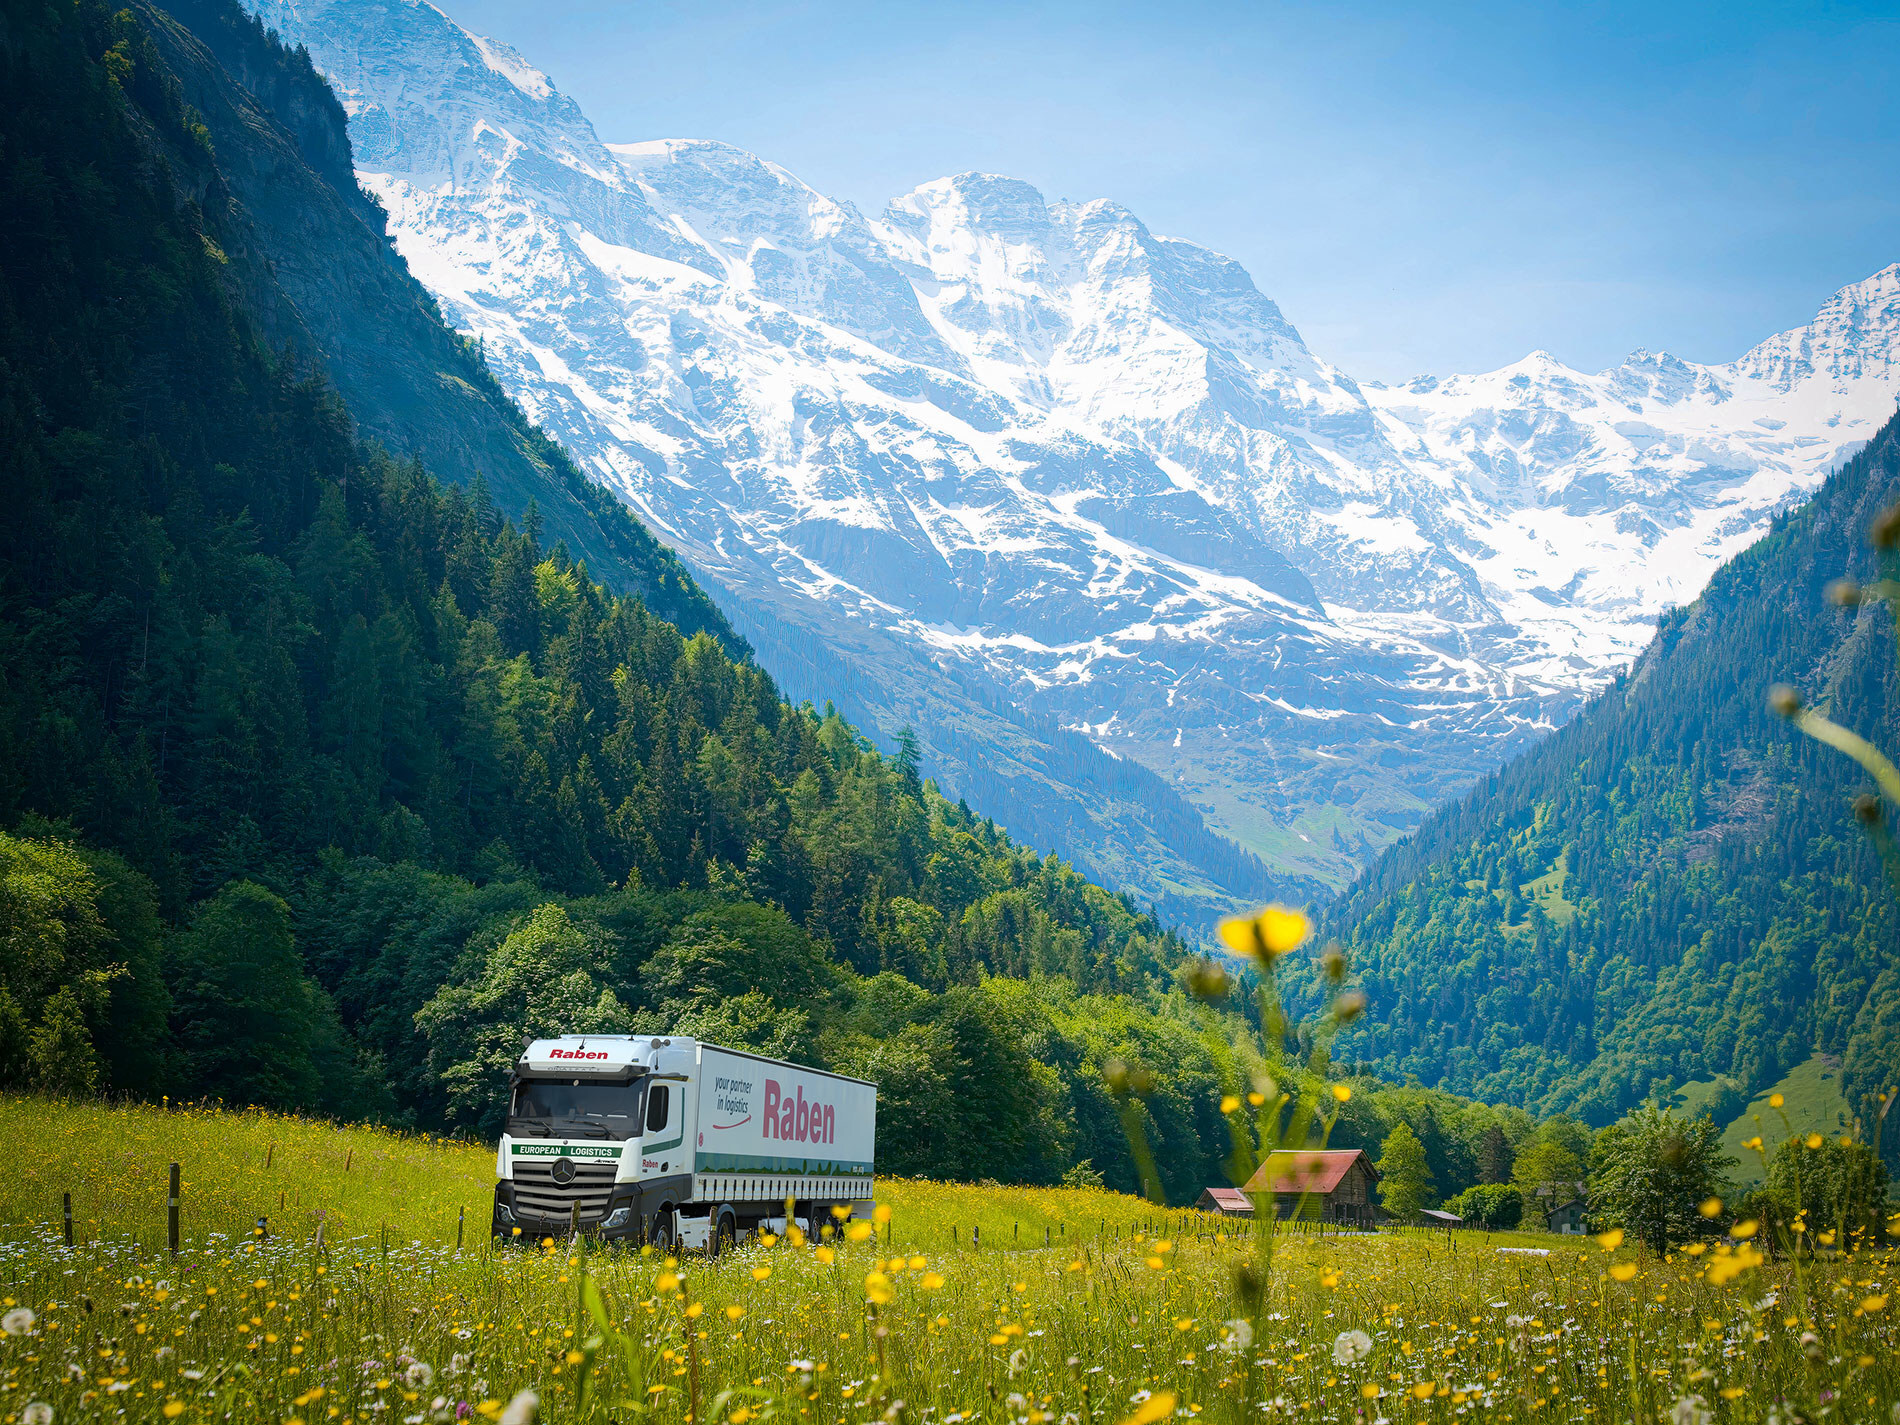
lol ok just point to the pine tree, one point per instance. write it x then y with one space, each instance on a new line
1494 1156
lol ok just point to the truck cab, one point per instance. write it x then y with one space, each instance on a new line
595 1139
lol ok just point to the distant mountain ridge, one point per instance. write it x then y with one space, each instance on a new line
1028 465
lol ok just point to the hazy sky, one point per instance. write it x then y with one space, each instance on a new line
1421 187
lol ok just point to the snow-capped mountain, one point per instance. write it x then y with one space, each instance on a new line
1002 458
1596 501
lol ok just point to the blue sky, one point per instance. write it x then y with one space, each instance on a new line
1421 188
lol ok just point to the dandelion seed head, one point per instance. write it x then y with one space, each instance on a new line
1351 1347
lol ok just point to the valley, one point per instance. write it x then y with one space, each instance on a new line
883 646
1031 478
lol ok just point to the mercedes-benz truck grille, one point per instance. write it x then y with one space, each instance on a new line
538 1194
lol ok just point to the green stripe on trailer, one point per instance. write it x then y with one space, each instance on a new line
796 1167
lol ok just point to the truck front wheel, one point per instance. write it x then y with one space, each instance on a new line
725 1234
662 1236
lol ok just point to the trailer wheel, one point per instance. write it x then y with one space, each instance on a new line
725 1234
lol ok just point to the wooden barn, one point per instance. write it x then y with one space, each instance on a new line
1324 1184
1228 1202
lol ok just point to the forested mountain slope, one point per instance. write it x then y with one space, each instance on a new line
1673 887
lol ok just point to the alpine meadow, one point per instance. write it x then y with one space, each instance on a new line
513 645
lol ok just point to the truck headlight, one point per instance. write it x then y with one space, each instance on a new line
616 1219
504 1213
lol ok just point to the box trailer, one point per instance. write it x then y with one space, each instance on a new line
666 1140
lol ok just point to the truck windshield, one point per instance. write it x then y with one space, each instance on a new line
612 1110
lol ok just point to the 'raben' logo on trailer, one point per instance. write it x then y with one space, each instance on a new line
577 1053
797 1119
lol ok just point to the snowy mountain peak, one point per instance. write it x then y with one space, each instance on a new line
1855 336
978 202
454 108
509 64
740 198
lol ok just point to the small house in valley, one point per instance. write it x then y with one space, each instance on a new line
1228 1202
1322 1184
1563 1207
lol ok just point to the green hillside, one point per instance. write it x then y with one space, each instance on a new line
1672 890
1811 1102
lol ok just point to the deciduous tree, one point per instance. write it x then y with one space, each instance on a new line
1405 1179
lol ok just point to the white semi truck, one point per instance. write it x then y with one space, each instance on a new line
673 1142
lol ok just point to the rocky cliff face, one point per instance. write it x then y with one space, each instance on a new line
1038 480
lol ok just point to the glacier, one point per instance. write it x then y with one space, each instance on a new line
1043 483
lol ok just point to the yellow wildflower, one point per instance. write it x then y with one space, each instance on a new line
1266 936
1158 1406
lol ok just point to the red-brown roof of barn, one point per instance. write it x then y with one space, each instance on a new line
1307 1170
1231 1197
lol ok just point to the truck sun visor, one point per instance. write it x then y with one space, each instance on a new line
576 1056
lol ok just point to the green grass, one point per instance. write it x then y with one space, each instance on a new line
359 1182
1341 792
1701 1096
1548 891
1812 1102
850 1333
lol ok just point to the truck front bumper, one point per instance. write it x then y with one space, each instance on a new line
512 1221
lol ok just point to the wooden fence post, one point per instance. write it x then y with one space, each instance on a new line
171 1212
68 1197
461 1215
